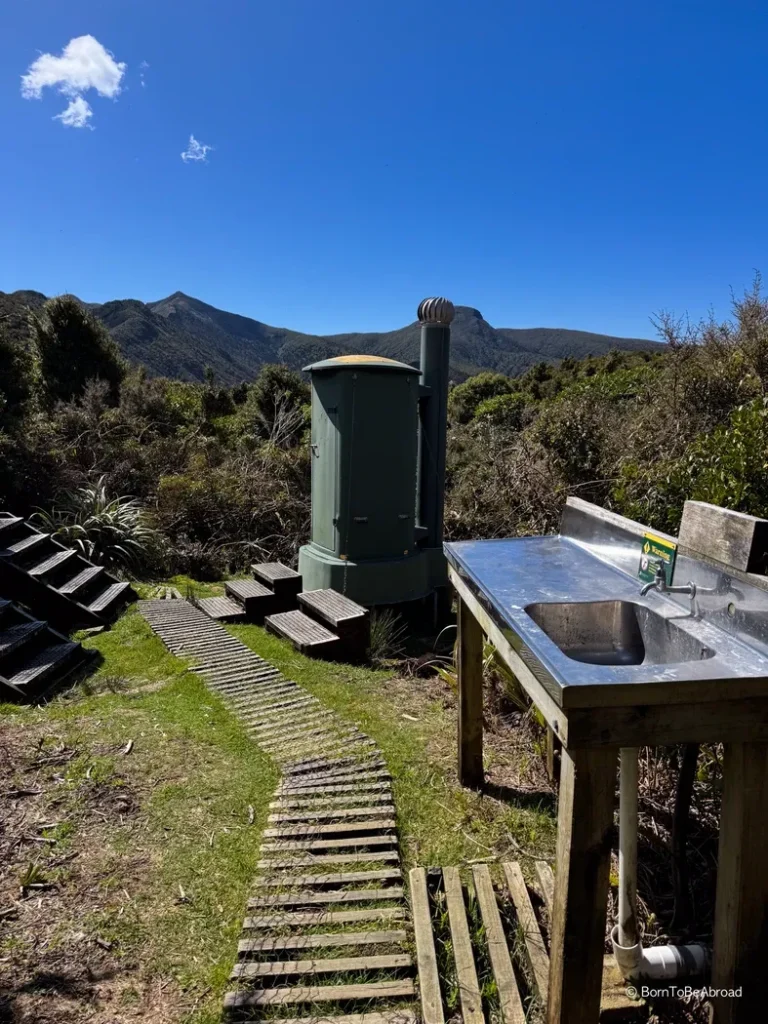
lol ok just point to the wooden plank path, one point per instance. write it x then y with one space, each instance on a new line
329 857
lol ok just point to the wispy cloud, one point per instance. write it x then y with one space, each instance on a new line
142 68
77 114
83 64
195 151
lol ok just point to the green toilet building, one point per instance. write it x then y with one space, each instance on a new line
378 443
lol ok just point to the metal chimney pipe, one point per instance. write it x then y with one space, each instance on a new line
435 316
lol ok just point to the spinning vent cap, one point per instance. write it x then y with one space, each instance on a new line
436 311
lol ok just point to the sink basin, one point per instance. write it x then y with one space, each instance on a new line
615 633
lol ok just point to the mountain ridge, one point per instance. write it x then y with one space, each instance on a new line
178 336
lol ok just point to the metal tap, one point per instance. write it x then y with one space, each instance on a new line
660 583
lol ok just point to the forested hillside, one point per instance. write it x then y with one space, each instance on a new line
219 475
180 336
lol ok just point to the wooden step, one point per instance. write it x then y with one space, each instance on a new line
17 636
223 608
72 588
306 635
270 943
257 600
45 666
27 544
350 621
285 583
322 965
53 562
319 994
8 523
110 599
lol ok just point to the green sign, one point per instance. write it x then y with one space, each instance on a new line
656 551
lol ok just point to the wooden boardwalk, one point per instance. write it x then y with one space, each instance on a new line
327 925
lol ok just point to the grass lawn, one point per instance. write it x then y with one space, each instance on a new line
131 810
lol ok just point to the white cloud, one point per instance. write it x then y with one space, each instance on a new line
142 68
195 150
77 114
84 64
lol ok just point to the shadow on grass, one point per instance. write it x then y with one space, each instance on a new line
529 799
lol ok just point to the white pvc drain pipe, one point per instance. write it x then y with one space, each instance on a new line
636 963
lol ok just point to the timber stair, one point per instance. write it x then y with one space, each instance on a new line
55 582
328 625
273 589
326 930
34 658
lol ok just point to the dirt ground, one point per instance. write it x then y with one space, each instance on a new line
63 885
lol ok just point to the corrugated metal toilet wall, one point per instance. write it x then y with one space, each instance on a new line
378 472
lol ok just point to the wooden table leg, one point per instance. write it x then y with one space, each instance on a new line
470 675
582 874
741 912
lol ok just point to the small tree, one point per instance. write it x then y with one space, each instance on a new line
74 347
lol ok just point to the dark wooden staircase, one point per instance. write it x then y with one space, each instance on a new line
55 582
34 658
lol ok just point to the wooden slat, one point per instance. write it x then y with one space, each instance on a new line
339 878
338 779
390 1017
329 830
306 717
529 926
323 917
333 814
466 973
429 979
301 735
322 965
322 844
270 944
319 994
320 801
301 899
363 787
506 984
547 882
330 858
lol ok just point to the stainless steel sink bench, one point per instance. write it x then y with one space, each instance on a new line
612 664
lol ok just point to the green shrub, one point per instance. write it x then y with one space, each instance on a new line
504 410
465 398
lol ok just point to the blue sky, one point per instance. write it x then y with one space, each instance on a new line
578 164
